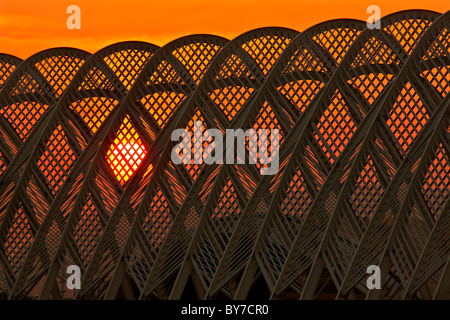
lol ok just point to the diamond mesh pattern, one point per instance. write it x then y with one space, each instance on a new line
126 152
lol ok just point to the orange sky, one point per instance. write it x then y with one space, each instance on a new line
29 26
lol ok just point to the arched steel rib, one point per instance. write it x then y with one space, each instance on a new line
305 49
344 230
97 182
233 64
279 223
27 186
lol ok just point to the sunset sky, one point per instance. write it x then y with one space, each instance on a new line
29 26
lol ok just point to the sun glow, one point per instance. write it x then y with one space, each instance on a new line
126 152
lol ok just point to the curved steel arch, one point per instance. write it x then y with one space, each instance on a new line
436 251
416 171
88 83
213 103
8 63
368 165
95 183
30 90
363 177
283 107
29 184
314 168
423 212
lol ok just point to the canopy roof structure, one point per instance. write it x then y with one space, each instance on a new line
88 178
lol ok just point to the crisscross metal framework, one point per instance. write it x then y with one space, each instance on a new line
87 175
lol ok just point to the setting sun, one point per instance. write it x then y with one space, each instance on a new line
126 153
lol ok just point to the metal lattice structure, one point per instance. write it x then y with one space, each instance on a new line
87 175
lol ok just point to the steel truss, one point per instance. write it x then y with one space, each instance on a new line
364 176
